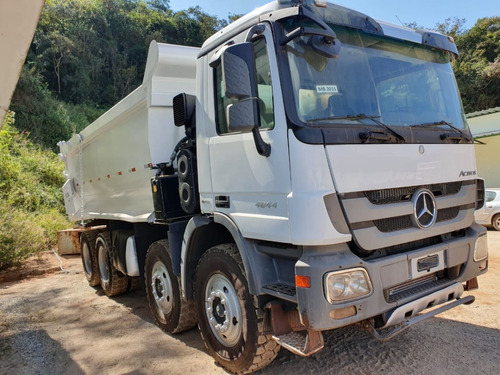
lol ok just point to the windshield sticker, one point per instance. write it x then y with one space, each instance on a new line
327 89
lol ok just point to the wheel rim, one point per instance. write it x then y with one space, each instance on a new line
497 222
162 288
87 261
223 310
103 264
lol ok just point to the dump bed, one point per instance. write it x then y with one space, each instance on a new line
108 163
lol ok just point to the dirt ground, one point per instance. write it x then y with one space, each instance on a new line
56 324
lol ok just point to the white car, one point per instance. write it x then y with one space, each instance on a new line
489 214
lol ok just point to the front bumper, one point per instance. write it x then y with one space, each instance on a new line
387 274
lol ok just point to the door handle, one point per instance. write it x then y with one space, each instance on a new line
222 201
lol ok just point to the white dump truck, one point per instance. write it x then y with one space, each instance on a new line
308 168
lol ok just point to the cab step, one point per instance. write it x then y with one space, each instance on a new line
303 343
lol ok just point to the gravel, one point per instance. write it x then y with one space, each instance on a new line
57 324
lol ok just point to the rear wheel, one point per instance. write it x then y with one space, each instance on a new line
230 324
113 282
170 311
496 222
89 257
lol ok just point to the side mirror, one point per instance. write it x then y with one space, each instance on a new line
238 71
240 84
243 116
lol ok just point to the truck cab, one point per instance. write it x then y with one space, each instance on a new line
337 148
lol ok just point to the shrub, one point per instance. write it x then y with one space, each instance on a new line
32 208
20 237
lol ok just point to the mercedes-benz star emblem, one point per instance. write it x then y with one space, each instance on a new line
424 208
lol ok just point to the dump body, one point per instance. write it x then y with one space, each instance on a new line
108 164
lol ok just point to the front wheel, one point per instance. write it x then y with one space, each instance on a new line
496 222
230 324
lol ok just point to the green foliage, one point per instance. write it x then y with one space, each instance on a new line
46 119
20 237
88 52
95 51
31 209
477 68
452 26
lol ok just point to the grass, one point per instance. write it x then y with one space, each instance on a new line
32 206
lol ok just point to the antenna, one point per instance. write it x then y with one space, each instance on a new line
402 24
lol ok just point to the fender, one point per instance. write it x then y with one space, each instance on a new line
255 263
194 224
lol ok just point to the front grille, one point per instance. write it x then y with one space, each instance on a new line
393 224
447 214
403 194
389 225
403 247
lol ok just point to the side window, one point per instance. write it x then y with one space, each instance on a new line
264 88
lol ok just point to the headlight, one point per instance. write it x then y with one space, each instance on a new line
341 286
481 248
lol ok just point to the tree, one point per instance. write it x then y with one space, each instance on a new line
95 51
87 55
161 5
477 67
452 26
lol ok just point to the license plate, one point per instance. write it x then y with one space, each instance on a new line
427 264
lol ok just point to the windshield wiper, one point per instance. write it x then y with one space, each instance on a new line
451 137
370 135
360 116
382 136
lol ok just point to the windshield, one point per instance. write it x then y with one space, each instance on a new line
398 83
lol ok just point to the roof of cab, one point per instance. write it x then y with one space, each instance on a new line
252 18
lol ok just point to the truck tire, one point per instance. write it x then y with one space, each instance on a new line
229 323
89 257
113 282
496 222
172 313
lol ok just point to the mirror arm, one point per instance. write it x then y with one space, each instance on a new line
328 35
263 148
255 30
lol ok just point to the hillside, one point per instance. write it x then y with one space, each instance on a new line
31 209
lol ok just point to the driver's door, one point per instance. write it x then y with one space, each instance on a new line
250 188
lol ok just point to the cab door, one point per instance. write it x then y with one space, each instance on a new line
250 188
